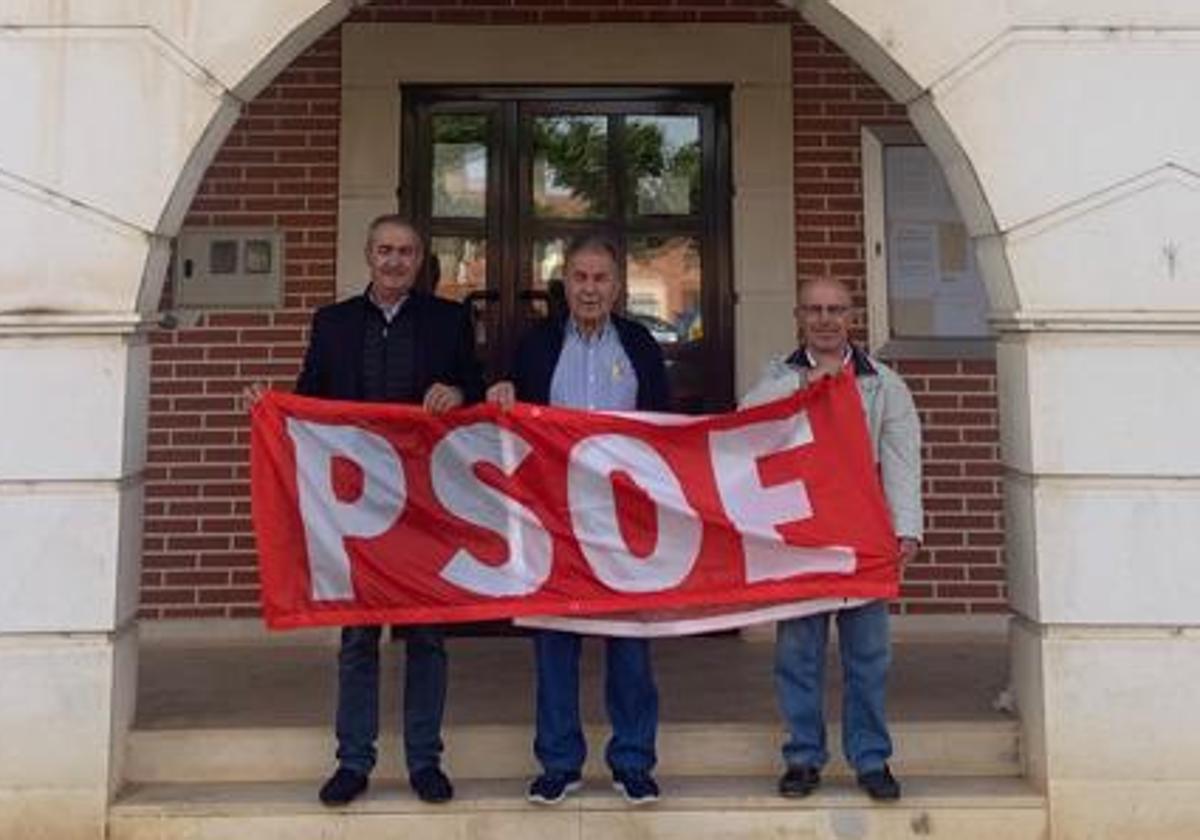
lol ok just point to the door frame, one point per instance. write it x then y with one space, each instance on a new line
507 103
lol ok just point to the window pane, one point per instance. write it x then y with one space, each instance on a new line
934 287
570 167
663 280
460 166
457 266
546 276
663 155
223 256
548 261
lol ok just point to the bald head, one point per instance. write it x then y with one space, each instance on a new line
824 311
827 285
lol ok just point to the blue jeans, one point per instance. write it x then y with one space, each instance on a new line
358 697
629 694
800 685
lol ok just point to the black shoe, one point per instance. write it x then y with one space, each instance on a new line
343 787
430 784
880 784
799 781
637 788
552 788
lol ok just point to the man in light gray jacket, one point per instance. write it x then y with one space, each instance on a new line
862 628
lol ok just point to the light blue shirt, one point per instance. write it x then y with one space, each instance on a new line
594 373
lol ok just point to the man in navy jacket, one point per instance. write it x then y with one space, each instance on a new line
392 343
592 359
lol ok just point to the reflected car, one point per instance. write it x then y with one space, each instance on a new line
664 332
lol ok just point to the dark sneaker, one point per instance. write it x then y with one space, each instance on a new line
637 788
880 784
799 781
552 788
343 787
430 784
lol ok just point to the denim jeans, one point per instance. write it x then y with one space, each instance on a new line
800 685
629 694
358 697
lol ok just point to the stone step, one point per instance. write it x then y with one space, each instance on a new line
985 747
696 808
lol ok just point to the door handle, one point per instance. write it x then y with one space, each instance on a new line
482 296
555 303
478 324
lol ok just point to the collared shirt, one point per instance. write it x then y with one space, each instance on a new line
847 354
389 311
852 357
594 372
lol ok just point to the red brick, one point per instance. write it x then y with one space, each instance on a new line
168 561
968 590
171 526
279 168
241 595
202 543
228 560
921 572
199 508
197 578
192 612
169 596
959 383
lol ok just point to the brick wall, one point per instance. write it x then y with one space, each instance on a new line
279 168
961 569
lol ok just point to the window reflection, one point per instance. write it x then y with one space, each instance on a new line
663 155
457 266
570 166
663 287
460 166
546 278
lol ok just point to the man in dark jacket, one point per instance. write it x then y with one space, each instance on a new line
392 343
590 358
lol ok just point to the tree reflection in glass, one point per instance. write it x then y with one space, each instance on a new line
663 159
570 166
460 166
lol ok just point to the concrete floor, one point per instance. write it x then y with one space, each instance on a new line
705 679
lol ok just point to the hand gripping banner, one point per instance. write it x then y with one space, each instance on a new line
375 513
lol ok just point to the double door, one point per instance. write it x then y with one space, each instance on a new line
499 180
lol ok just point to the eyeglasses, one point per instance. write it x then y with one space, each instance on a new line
829 310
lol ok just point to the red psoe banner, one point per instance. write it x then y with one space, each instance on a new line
374 513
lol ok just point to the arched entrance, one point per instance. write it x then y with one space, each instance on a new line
1059 234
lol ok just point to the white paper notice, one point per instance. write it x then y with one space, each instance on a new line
934 288
914 260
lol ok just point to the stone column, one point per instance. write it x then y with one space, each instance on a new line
1103 513
112 111
1069 134
72 452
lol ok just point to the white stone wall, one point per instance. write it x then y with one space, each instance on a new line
1069 133
112 111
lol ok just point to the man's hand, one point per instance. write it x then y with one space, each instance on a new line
502 394
908 550
441 398
251 394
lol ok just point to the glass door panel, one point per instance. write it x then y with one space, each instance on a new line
570 166
460 166
502 179
663 157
